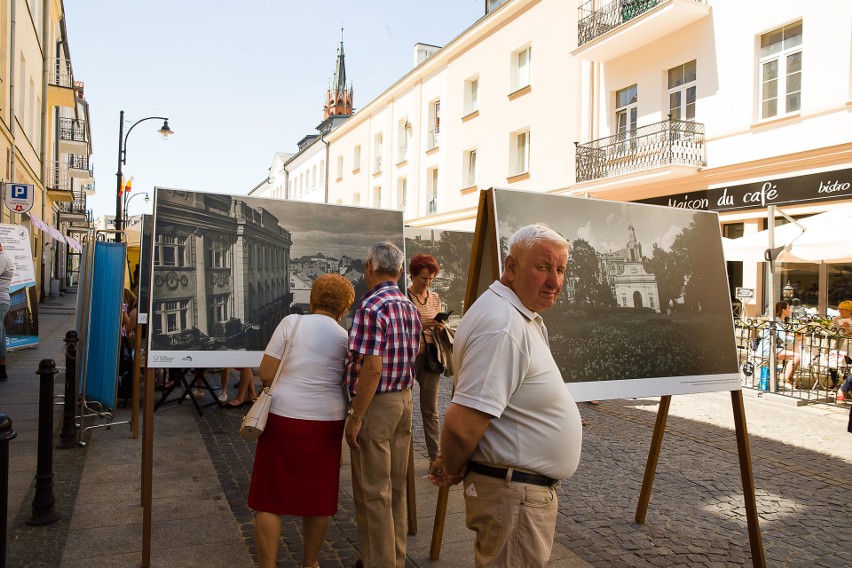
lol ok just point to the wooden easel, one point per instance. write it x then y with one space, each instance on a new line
484 261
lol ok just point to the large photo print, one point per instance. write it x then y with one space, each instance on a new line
228 268
451 250
645 309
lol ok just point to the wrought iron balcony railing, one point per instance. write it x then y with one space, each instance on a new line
60 73
58 176
72 129
76 207
595 19
77 162
671 142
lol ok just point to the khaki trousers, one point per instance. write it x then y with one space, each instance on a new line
379 470
430 385
514 522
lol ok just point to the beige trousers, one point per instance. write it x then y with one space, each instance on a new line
514 522
379 470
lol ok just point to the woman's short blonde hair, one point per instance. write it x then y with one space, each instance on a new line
332 292
845 305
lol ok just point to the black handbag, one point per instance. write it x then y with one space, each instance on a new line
431 362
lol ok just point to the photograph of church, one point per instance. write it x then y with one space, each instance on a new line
645 291
227 269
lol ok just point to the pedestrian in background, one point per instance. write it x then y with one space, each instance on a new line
7 270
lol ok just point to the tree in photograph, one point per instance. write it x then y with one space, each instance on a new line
584 270
669 275
698 275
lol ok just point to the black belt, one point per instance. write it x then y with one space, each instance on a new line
519 476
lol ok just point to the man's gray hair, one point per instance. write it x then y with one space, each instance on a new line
525 237
385 258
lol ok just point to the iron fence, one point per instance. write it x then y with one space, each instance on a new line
670 142
595 18
61 74
819 353
72 129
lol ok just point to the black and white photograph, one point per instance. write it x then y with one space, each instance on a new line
451 250
645 295
228 268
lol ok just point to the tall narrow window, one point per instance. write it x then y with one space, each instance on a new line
519 152
377 158
521 64
626 109
340 166
682 88
781 71
356 198
377 197
434 123
432 191
469 168
356 158
401 193
471 95
402 130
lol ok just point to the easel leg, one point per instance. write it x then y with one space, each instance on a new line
147 465
758 560
438 527
411 494
653 458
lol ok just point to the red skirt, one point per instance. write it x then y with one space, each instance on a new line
297 467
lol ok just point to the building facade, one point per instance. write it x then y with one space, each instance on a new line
45 138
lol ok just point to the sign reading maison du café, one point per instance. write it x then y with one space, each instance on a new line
835 184
19 197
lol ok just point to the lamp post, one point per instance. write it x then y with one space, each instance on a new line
122 159
127 204
788 292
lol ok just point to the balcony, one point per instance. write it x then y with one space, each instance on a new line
667 143
61 84
73 136
78 168
58 183
609 30
75 210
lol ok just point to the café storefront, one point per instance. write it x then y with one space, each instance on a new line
743 209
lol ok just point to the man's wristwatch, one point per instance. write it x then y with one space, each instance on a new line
354 414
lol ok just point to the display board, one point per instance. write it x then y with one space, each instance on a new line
228 268
21 320
452 251
645 308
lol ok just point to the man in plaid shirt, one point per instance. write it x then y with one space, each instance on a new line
383 343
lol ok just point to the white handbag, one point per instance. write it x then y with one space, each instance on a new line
254 421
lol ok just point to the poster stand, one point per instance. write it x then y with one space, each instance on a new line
484 261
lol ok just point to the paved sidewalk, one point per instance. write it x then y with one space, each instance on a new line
802 458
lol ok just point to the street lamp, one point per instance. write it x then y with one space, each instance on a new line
127 204
788 292
122 159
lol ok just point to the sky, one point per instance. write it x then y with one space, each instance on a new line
238 81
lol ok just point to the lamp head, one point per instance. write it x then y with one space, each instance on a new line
165 130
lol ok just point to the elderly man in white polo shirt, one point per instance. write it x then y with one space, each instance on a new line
512 430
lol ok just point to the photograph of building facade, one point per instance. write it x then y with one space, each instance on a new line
228 268
689 103
45 138
630 313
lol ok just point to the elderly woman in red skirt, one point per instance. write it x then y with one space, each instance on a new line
297 463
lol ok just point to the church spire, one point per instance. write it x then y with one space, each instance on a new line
338 100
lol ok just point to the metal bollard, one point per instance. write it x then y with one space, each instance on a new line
68 433
44 502
6 434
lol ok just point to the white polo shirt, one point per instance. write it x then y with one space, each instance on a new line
505 369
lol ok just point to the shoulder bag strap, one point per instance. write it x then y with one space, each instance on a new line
286 349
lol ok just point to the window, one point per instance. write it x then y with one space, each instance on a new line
356 159
520 152
377 158
471 95
781 71
313 176
401 193
469 168
626 109
356 199
322 171
340 166
218 255
170 317
402 140
682 91
219 308
377 197
434 123
432 191
170 251
521 62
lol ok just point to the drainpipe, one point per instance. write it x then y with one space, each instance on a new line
45 11
327 159
11 108
286 182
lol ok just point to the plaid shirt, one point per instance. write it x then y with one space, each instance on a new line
386 324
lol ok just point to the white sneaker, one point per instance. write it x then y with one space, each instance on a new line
223 396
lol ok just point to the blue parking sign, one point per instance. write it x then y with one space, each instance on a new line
19 197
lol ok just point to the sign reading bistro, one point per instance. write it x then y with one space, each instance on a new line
800 189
